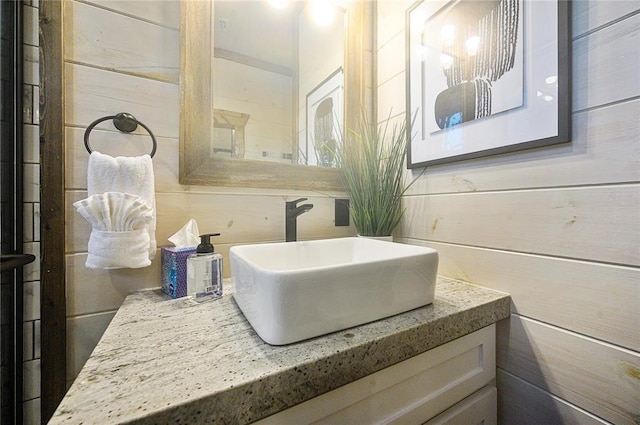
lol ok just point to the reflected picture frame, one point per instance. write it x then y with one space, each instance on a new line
486 78
331 89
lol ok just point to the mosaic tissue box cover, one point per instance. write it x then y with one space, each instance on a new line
174 270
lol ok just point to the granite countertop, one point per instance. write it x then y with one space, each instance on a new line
174 361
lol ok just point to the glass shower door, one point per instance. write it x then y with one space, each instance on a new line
11 256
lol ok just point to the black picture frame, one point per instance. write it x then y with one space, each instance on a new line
542 119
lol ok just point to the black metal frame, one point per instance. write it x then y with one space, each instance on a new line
19 187
15 257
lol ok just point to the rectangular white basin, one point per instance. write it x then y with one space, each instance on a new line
293 291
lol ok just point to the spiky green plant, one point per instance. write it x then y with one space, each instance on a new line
372 162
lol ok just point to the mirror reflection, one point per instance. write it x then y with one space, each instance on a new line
279 81
331 83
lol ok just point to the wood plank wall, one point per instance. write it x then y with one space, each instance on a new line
122 56
558 228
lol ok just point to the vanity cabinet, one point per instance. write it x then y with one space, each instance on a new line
449 384
433 365
477 409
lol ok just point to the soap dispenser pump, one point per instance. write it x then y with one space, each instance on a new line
204 271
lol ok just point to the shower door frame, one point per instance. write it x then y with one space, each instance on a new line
13 274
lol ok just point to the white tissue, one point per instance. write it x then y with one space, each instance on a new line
188 236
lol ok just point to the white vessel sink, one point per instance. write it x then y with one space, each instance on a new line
298 290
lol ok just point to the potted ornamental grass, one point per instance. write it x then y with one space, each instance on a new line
372 161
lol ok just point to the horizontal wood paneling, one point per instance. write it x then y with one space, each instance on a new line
265 97
239 218
606 65
601 137
92 93
162 12
594 376
520 403
391 97
152 51
391 16
242 219
592 299
595 223
391 58
589 14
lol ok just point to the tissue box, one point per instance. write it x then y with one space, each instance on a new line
174 270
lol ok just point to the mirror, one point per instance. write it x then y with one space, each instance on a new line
221 142
277 66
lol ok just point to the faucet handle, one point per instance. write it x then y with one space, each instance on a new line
294 203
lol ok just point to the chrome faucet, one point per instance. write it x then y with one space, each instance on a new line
292 211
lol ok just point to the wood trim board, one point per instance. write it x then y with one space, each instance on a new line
52 212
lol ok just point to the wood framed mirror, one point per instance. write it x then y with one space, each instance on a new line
198 166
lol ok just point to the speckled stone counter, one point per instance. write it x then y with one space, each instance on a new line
172 361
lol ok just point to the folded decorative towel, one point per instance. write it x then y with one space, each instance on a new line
119 236
117 250
132 175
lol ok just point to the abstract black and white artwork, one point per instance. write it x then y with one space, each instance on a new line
474 49
485 77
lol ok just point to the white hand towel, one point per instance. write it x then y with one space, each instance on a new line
119 236
132 175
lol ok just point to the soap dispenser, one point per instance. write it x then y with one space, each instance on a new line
204 271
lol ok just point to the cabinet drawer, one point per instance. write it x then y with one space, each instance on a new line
410 392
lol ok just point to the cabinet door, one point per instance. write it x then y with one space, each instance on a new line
480 408
410 392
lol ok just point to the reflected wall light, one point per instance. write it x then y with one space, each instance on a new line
472 44
322 12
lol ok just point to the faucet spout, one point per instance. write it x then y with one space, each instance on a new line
292 211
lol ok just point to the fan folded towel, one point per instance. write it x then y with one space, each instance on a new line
132 175
119 230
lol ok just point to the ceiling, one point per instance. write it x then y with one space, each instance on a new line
255 29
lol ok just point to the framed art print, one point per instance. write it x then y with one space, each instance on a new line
486 77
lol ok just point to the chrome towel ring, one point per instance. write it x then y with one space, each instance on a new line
124 122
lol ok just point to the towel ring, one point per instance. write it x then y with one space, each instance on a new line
124 122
